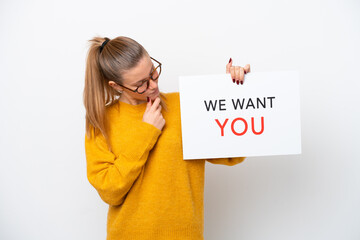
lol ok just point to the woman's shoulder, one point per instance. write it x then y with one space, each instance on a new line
112 107
171 98
171 94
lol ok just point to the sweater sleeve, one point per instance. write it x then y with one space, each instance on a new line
113 176
226 161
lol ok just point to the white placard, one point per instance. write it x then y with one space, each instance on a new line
222 119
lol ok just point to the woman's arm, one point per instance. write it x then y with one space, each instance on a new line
226 161
113 176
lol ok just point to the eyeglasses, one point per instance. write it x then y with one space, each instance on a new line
154 75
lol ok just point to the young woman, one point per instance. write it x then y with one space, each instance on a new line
134 149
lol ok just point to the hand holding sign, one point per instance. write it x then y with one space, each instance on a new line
237 72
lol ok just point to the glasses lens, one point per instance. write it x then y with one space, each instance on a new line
156 73
143 87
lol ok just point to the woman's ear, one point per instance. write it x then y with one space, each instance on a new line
115 86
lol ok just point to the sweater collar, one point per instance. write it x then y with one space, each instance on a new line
135 109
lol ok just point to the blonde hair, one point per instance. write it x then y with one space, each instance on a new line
118 55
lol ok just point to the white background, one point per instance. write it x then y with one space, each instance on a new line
44 190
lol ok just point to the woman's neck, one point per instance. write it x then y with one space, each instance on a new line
129 100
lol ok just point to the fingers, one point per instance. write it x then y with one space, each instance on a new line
233 74
155 105
247 68
228 66
153 114
237 72
242 74
148 105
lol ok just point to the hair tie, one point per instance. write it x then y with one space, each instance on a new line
104 43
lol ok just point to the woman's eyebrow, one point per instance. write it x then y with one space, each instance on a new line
146 77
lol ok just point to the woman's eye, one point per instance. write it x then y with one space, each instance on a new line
142 83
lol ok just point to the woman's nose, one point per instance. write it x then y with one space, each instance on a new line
153 84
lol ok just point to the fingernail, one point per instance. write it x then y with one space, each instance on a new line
147 99
233 80
241 82
237 82
230 60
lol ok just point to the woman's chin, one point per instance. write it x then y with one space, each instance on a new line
155 95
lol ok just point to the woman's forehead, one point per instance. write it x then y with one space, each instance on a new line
140 71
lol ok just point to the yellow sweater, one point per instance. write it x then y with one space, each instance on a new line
151 191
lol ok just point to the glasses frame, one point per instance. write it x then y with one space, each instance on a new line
148 79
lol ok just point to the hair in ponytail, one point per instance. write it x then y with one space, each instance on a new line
116 56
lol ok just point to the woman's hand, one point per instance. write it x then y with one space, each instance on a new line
237 72
153 114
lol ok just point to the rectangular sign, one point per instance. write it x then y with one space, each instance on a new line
222 119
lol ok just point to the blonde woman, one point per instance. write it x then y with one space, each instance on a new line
134 149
